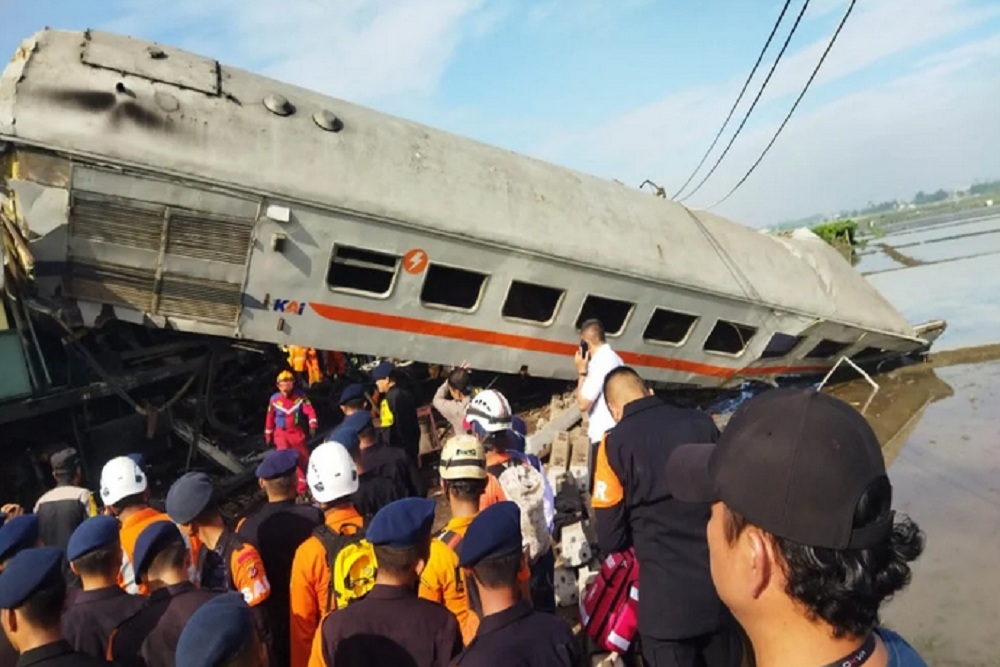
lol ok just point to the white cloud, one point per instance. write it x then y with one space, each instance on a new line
364 50
829 165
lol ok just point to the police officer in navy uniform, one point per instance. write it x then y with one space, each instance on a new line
17 534
276 530
32 595
95 555
511 632
150 637
222 632
391 625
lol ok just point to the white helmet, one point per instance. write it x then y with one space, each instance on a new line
490 410
331 473
121 478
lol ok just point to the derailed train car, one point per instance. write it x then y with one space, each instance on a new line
153 186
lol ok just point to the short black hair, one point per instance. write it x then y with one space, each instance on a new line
400 561
282 485
459 380
44 607
465 489
356 403
845 588
594 327
210 512
99 561
621 371
130 501
499 571
170 557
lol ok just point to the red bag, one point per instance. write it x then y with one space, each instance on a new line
610 609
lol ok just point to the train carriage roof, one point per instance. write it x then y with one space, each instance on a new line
189 116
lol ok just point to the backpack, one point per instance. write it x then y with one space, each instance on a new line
351 559
525 486
609 610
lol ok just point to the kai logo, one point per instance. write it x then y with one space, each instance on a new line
290 307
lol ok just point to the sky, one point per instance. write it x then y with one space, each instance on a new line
907 100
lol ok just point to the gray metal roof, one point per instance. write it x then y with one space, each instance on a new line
124 100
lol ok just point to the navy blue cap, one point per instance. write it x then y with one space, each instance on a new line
495 531
151 541
19 533
278 463
346 436
402 523
347 431
27 572
139 459
383 370
189 496
216 632
352 392
91 535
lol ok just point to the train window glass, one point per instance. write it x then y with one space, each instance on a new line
780 345
827 348
361 270
450 287
729 337
531 302
668 326
612 313
868 353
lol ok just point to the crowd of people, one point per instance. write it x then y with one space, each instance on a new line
773 544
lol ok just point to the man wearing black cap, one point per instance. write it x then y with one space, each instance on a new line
62 509
392 626
804 544
353 399
511 632
32 595
17 534
276 530
377 461
682 622
398 411
149 638
95 555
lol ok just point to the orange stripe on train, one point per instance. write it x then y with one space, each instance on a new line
470 334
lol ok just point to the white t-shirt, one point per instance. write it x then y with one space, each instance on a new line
602 361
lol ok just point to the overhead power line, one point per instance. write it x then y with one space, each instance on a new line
739 97
746 116
781 127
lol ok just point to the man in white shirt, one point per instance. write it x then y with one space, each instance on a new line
594 360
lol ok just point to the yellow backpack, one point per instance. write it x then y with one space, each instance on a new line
351 559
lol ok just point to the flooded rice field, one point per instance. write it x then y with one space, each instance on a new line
941 434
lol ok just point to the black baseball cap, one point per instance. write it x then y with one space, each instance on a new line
794 462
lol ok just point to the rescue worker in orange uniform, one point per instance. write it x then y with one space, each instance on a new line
289 414
223 561
125 494
333 480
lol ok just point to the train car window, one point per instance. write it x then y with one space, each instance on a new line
729 337
780 345
359 270
451 287
612 313
827 348
668 326
532 303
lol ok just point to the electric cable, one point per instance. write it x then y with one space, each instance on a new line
746 116
739 98
781 127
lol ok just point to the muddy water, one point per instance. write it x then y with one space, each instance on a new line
946 272
941 437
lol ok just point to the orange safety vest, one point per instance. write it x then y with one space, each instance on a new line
297 358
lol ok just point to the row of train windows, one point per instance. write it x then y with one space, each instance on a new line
373 273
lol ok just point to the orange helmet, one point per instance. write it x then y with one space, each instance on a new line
286 376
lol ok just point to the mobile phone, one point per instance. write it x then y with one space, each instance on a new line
584 348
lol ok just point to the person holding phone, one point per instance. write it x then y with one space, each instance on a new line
594 360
